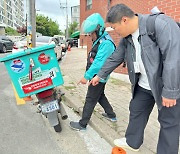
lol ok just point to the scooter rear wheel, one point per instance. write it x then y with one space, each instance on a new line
58 128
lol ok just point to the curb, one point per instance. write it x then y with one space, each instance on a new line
96 120
98 123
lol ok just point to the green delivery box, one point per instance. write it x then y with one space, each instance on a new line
33 70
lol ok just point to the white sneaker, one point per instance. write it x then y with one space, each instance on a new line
122 143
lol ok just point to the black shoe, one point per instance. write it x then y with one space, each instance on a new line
108 118
76 126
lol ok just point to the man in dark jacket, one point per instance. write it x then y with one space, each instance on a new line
154 72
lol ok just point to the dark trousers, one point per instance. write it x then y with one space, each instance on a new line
95 94
169 118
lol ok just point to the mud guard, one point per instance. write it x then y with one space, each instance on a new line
53 118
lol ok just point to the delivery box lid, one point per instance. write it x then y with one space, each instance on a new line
27 52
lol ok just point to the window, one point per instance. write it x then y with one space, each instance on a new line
1 19
8 2
1 3
10 23
2 11
88 4
75 9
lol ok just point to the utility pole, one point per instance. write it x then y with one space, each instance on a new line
65 7
66 21
31 23
31 29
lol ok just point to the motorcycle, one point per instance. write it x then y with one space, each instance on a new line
50 105
36 71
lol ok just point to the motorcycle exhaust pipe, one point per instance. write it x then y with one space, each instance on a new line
63 113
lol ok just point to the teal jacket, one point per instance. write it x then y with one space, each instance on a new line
105 49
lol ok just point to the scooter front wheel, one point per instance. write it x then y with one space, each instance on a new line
58 128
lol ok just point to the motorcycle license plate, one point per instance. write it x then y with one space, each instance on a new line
50 107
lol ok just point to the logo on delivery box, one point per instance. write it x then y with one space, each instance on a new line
17 65
37 85
43 58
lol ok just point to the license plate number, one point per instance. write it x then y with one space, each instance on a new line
50 107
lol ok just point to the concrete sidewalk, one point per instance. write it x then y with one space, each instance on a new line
119 95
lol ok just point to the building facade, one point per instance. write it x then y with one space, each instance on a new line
12 13
87 7
75 14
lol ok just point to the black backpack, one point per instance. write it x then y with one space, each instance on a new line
150 25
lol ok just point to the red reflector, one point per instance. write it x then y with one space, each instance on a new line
14 47
45 94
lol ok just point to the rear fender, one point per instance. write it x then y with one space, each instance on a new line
53 118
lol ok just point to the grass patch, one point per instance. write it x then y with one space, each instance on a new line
71 83
69 87
118 82
115 126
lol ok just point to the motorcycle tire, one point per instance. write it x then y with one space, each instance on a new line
58 128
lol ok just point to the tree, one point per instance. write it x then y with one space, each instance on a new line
47 26
11 31
22 30
72 28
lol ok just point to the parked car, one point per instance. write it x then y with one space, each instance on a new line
6 44
62 42
64 45
41 40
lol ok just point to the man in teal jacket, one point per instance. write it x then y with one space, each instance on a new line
102 48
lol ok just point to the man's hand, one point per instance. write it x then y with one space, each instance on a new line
83 81
94 81
168 102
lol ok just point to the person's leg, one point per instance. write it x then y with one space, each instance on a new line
169 119
103 101
140 108
92 97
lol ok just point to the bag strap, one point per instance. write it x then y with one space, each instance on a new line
150 26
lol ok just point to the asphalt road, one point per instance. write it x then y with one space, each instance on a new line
24 131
